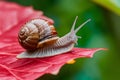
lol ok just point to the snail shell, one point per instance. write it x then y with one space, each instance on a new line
41 40
36 33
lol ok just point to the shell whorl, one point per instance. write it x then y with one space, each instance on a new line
35 33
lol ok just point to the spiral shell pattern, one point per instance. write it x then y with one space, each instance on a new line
35 33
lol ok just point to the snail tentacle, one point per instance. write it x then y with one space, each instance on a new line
82 25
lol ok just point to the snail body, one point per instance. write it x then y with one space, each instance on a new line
53 45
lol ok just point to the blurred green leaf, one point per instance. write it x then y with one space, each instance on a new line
112 5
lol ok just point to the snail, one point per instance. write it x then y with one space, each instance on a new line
40 39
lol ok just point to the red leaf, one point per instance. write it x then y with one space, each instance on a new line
12 16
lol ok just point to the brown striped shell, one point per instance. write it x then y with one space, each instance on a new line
37 33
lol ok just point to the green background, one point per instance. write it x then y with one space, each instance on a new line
103 31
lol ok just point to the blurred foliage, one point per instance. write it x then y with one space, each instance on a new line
113 5
102 31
